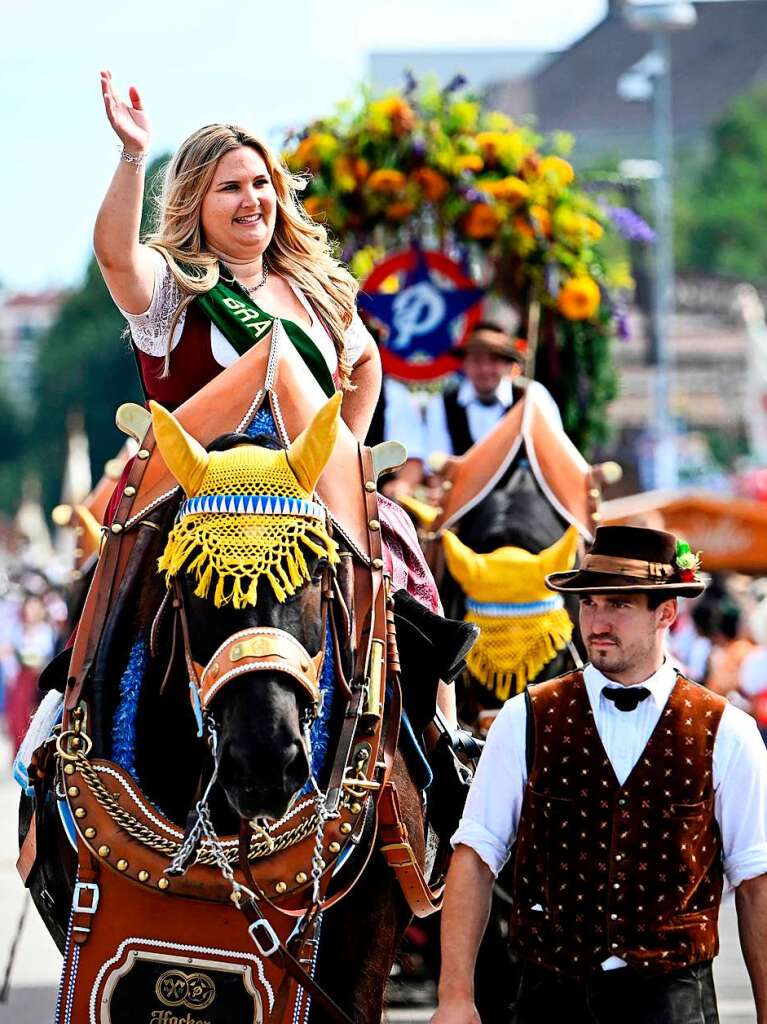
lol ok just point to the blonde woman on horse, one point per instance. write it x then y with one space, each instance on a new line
230 225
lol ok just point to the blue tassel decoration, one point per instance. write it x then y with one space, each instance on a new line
124 723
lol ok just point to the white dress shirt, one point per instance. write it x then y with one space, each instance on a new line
482 416
491 816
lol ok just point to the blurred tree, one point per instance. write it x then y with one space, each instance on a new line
723 212
11 451
84 361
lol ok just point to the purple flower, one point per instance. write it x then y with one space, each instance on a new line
472 195
411 83
629 224
419 148
456 82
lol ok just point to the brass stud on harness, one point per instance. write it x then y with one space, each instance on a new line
129 491
69 769
280 887
355 808
142 454
122 865
73 791
334 847
90 832
80 812
116 527
163 883
377 563
374 525
143 876
104 851
345 828
370 486
302 877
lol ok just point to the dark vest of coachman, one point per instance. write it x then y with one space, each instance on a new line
602 870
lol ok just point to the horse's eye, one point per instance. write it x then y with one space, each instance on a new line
319 570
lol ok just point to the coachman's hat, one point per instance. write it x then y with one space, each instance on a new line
631 558
490 338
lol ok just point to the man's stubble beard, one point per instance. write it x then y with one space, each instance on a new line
619 658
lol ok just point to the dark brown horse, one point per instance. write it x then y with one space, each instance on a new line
272 742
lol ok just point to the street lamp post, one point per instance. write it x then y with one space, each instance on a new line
661 19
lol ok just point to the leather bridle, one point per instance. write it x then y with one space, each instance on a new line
261 649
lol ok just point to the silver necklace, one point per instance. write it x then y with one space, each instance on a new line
254 287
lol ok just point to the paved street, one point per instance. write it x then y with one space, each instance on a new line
33 995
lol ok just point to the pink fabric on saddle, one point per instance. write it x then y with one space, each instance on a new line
403 556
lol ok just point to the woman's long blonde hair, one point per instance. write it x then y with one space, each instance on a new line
299 249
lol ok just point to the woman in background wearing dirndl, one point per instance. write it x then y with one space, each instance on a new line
229 225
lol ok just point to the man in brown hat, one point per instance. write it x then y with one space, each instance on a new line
628 792
492 364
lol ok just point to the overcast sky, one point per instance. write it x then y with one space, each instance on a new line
267 63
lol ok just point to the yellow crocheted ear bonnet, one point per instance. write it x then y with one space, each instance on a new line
522 625
250 511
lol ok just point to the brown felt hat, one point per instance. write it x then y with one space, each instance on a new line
629 558
495 341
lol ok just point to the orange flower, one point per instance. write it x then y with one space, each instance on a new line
387 181
469 162
524 228
431 183
399 112
400 210
361 169
481 221
542 218
509 190
490 142
579 298
593 229
531 166
557 168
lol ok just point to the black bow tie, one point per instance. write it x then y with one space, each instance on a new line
626 699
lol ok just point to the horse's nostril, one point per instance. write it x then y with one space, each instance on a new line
296 763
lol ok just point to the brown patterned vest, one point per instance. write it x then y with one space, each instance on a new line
632 871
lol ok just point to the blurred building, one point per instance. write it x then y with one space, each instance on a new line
24 318
722 57
710 397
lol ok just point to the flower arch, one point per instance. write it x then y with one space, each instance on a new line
431 167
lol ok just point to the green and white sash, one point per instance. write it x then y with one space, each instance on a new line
244 324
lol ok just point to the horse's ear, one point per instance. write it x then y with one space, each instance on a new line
309 453
464 564
560 557
184 456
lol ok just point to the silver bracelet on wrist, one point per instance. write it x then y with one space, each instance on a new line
133 158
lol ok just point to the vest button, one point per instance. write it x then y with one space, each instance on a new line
613 917
616 885
618 856
614 945
622 802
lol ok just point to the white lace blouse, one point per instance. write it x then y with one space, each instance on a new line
149 330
